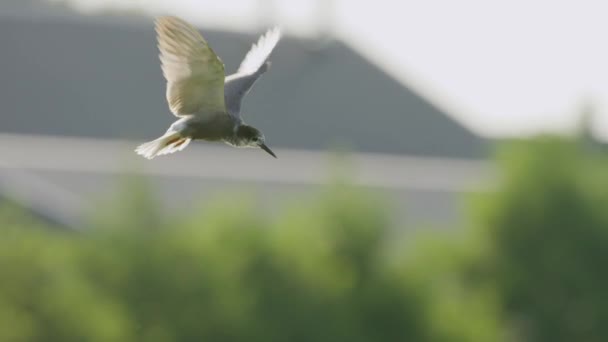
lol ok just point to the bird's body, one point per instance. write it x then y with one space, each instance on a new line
216 127
207 102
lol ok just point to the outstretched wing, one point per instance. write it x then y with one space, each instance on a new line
259 52
252 67
194 73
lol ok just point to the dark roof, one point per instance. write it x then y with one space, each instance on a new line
102 79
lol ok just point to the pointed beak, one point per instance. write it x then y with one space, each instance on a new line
267 149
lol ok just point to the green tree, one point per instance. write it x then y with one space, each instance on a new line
316 274
547 234
43 296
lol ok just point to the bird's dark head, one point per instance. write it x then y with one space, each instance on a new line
252 137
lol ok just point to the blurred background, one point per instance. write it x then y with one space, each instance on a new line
442 175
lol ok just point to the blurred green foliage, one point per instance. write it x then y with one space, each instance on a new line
530 269
547 230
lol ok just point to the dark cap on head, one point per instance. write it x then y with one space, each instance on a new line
251 136
247 132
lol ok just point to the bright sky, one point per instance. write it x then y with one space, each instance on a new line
505 67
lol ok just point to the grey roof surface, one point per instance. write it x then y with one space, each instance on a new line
101 78
60 177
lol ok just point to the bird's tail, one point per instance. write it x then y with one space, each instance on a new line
168 143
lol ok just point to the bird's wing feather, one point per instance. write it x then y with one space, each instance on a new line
252 67
237 86
194 73
259 52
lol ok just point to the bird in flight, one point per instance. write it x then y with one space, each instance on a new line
207 103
